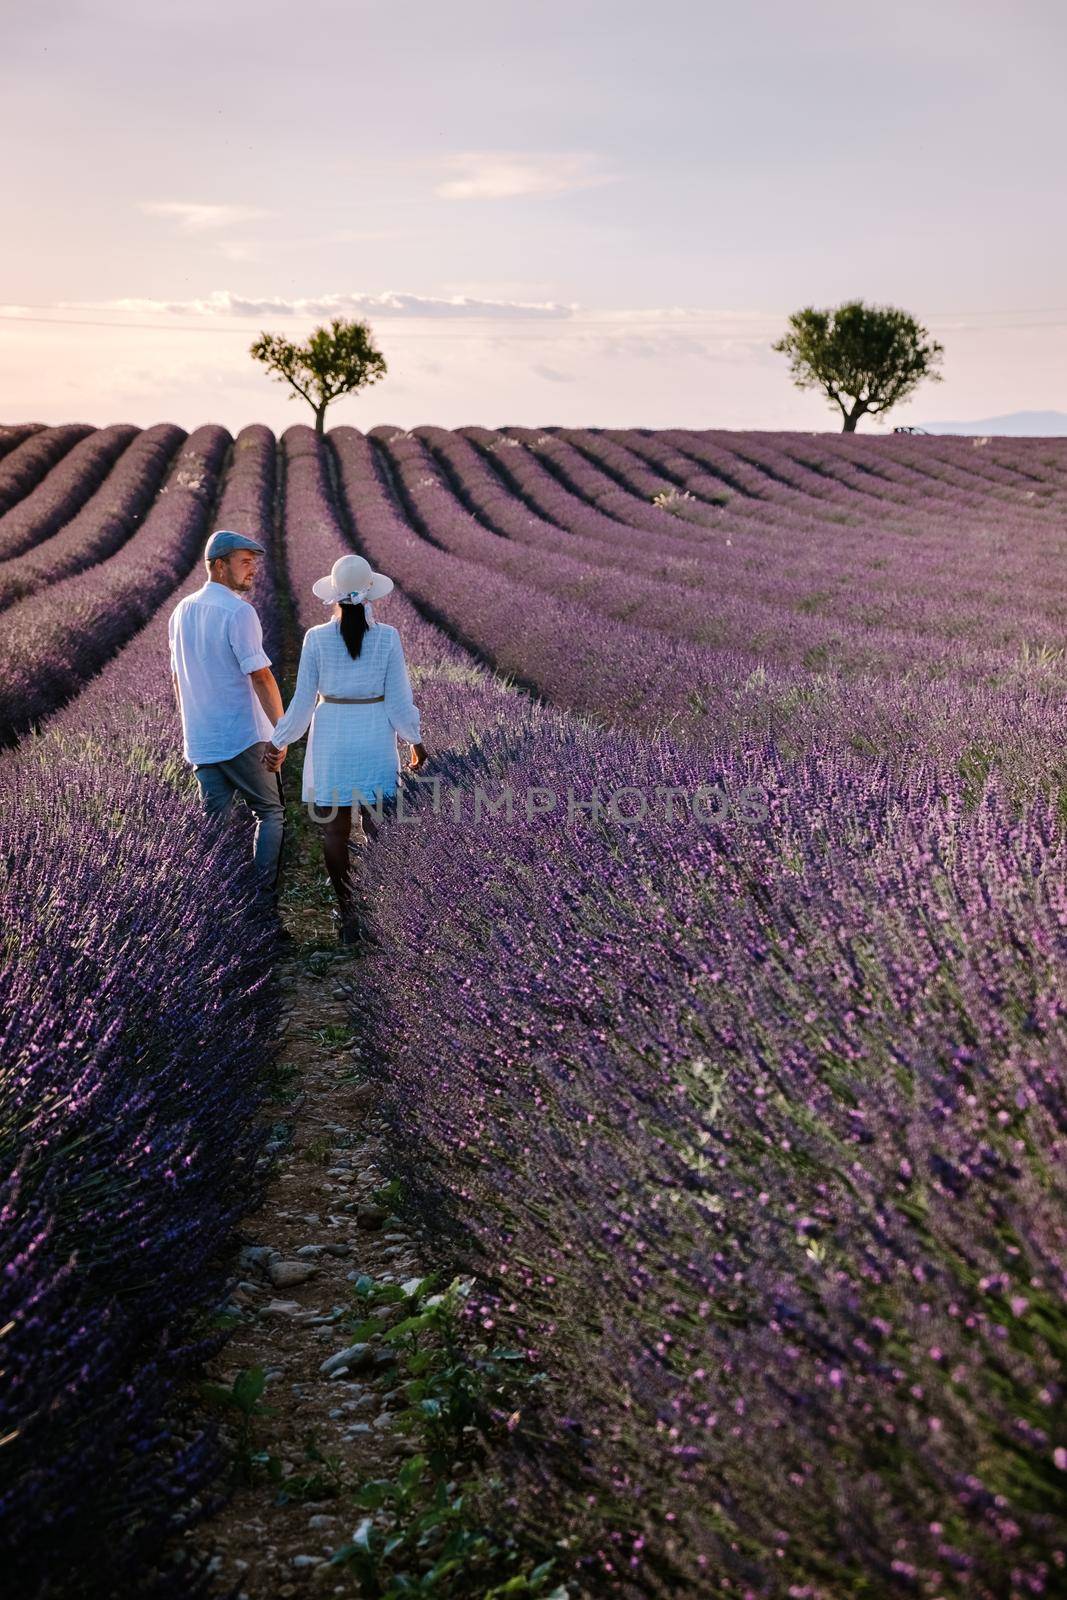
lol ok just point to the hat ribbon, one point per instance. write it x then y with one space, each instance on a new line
351 594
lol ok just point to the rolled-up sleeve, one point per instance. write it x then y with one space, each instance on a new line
245 633
399 702
297 719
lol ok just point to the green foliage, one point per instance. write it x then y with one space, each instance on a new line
334 361
865 359
243 1400
319 964
282 1080
388 1194
421 1531
435 1527
325 1482
334 1034
318 1150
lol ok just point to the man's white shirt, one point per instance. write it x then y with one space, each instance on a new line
216 640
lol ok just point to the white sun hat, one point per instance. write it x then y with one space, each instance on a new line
353 579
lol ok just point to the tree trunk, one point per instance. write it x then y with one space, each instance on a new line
320 417
849 425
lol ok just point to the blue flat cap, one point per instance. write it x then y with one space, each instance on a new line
222 542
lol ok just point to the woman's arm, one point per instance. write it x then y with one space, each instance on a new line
297 719
399 701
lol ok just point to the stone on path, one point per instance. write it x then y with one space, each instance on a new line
285 1274
282 1308
357 1355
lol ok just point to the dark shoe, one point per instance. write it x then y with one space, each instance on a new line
348 928
272 913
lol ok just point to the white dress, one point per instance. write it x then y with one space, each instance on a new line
352 753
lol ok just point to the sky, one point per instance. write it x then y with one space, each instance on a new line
585 212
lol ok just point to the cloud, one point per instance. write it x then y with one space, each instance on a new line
565 336
194 217
503 175
223 303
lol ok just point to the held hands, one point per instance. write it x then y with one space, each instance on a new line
419 757
273 757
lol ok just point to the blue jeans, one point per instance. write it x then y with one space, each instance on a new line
245 774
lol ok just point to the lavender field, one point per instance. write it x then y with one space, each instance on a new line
716 1010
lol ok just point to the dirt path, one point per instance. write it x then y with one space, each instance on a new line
320 1228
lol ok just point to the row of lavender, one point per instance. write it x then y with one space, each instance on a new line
317 532
956 544
12 434
779 581
104 522
29 453
752 482
138 1007
80 609
781 584
623 674
798 506
621 575
773 1121
769 1114
902 536
64 490
774 467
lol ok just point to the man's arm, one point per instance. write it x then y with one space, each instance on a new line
246 640
269 696
267 693
177 691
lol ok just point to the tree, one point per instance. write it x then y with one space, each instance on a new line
334 361
870 356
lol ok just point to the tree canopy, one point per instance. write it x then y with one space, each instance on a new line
333 362
865 359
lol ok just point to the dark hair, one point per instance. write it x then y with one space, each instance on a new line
353 627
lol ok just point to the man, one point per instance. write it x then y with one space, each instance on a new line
227 695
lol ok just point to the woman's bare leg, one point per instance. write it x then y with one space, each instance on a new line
335 835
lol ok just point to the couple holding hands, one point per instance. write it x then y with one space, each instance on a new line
352 697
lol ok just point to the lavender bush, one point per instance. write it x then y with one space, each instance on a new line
314 538
688 600
64 491
32 457
104 523
770 1118
137 1016
16 433
55 639
742 1111
623 675
879 567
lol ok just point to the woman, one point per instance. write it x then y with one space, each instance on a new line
353 692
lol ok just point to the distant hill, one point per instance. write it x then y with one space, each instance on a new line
1019 423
